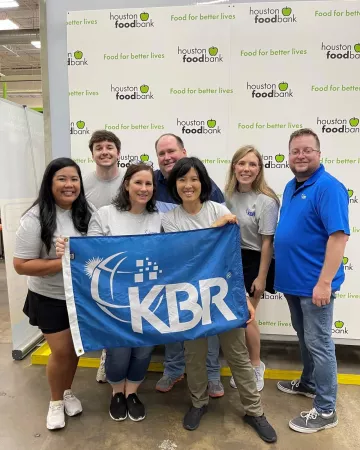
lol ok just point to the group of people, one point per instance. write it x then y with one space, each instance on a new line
310 238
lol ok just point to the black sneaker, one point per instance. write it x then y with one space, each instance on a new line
262 427
118 409
193 416
136 409
295 387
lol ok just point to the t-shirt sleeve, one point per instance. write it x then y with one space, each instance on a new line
333 208
221 210
28 242
95 225
168 222
268 217
216 194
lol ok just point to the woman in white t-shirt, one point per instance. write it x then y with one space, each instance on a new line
256 206
60 209
133 211
190 185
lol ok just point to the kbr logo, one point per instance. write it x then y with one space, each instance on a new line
275 161
77 59
341 125
131 21
352 197
341 51
79 128
188 304
200 55
273 15
142 92
339 328
347 264
198 126
270 90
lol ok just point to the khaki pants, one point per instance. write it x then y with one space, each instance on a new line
234 348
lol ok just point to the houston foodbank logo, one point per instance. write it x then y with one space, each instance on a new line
273 15
79 128
341 51
142 92
198 126
200 55
347 265
352 197
126 160
275 161
339 328
131 21
138 282
77 59
270 90
338 125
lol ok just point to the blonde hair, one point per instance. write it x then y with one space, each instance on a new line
259 185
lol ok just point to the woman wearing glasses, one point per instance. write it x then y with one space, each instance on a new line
256 206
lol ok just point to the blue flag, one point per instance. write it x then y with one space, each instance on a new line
133 291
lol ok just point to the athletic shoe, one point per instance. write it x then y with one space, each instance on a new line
313 421
232 383
118 408
136 409
215 389
166 383
56 416
259 372
72 405
295 387
262 427
193 416
101 375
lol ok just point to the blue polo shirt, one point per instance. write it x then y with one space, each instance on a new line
165 202
308 216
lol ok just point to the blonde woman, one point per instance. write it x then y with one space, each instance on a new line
256 206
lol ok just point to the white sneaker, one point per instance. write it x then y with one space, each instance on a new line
232 383
56 417
72 404
101 374
259 372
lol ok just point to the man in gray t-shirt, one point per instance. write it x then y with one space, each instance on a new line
102 185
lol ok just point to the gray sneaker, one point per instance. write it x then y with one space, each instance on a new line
295 387
215 389
313 421
166 383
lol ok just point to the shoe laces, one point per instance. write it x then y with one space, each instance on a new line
261 420
69 396
307 415
295 383
56 407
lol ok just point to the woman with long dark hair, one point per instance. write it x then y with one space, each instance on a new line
60 209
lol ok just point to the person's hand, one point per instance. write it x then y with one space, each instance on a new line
227 218
321 294
251 310
258 287
60 247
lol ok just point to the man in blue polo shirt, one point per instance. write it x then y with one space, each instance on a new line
169 149
309 247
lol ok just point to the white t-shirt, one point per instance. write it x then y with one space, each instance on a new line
109 221
179 220
30 246
257 215
101 192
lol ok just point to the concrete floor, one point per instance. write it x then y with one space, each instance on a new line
24 400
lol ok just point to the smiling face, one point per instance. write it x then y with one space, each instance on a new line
66 187
105 154
189 187
304 156
246 170
168 152
140 188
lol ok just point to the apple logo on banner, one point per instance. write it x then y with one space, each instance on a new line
203 127
270 90
335 125
79 128
77 59
200 55
131 21
273 15
127 92
341 51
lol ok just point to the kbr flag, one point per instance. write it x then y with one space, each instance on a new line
133 291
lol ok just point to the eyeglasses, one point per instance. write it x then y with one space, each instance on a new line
305 151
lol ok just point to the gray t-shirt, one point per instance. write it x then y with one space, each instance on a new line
179 220
108 221
30 246
257 215
101 192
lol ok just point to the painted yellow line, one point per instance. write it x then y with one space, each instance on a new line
41 355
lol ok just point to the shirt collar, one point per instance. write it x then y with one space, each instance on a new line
313 179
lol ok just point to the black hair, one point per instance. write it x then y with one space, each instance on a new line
177 138
80 208
122 199
181 168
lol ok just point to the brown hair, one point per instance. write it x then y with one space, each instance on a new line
177 138
305 132
103 135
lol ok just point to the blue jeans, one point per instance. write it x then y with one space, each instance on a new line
129 364
313 326
175 361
